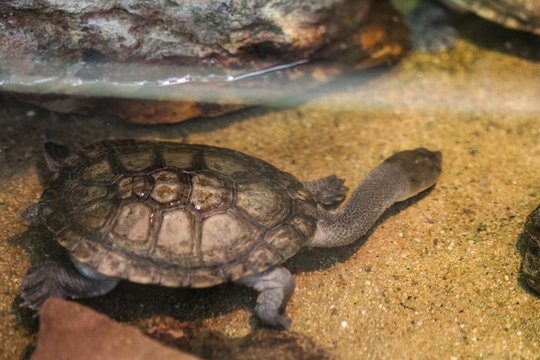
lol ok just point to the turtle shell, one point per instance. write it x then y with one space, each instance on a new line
176 214
514 14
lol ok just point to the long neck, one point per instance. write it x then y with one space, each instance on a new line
383 186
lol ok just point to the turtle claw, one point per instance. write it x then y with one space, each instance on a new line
328 191
278 322
38 285
270 317
284 322
59 280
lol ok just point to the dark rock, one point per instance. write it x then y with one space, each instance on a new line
189 32
71 331
531 261
261 344
435 24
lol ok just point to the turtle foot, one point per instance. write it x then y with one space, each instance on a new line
59 280
270 317
275 287
327 191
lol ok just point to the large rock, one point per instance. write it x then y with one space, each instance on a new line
531 261
184 50
71 331
221 32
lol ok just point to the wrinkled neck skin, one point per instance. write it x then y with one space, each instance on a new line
382 187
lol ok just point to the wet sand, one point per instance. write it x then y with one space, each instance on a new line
438 277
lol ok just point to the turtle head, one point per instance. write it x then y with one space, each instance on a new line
55 154
420 166
399 177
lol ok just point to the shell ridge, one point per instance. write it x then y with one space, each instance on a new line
196 246
158 214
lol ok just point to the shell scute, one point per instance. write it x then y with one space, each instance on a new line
134 186
89 252
95 150
69 239
135 161
210 192
174 276
285 241
174 242
224 237
114 264
93 217
180 157
206 277
78 194
143 272
225 163
262 257
170 187
101 171
263 201
133 228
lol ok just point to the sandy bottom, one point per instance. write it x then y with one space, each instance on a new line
437 278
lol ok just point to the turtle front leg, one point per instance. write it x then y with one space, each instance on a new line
61 280
328 191
275 287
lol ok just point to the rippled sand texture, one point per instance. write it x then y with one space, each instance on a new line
438 278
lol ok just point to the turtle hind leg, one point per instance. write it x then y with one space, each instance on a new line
328 191
60 280
275 287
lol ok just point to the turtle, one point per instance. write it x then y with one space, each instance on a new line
187 215
430 21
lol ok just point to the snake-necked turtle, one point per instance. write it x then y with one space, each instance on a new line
196 216
430 20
